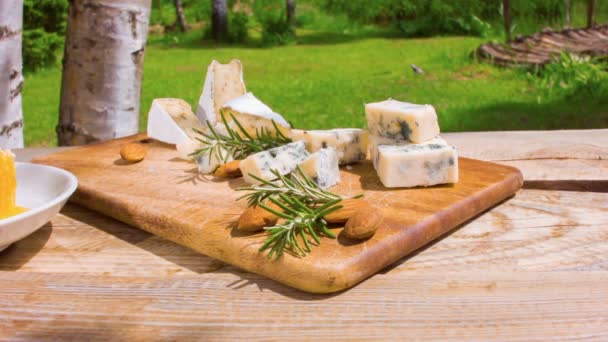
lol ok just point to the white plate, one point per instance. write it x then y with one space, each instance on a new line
44 190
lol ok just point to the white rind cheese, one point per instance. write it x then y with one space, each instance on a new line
351 144
253 115
284 159
376 141
402 121
412 165
322 166
223 83
172 121
208 163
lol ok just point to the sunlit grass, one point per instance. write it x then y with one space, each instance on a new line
324 81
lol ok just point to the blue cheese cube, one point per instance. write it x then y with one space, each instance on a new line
322 166
376 141
351 144
284 159
409 165
402 121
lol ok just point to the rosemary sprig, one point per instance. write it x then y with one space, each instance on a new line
237 143
296 185
303 205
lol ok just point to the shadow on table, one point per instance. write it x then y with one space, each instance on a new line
183 256
22 251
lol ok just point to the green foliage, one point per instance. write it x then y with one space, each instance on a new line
573 76
44 23
238 26
271 15
39 48
49 15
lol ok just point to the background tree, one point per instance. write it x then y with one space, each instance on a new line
591 13
11 79
102 70
568 10
180 17
219 20
291 14
506 11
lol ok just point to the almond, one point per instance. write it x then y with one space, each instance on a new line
256 218
229 170
364 223
133 152
349 208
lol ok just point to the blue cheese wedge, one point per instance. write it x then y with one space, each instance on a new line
322 166
172 121
223 83
284 159
351 144
402 121
409 165
253 115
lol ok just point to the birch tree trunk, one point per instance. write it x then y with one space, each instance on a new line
506 11
219 20
102 70
291 14
568 5
11 79
180 17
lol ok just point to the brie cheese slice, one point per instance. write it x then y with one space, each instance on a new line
223 82
253 115
172 121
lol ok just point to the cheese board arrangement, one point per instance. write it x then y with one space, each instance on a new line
318 210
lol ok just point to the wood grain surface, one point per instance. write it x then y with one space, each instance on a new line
560 160
532 269
169 198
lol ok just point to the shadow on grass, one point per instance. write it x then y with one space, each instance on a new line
576 113
195 40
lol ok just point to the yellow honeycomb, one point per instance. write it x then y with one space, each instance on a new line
8 186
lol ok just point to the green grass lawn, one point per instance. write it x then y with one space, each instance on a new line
324 81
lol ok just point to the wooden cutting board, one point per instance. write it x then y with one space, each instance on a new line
168 197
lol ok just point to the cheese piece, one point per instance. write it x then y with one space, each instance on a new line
350 143
172 121
375 141
253 115
209 162
223 82
8 185
284 159
402 121
322 166
412 165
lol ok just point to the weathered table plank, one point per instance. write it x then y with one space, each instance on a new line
567 160
531 268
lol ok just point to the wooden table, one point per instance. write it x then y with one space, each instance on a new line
532 268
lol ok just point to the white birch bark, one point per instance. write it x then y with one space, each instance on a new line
11 78
102 70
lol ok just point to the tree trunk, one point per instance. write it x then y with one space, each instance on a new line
102 70
291 14
590 13
506 9
181 18
568 13
11 79
219 20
